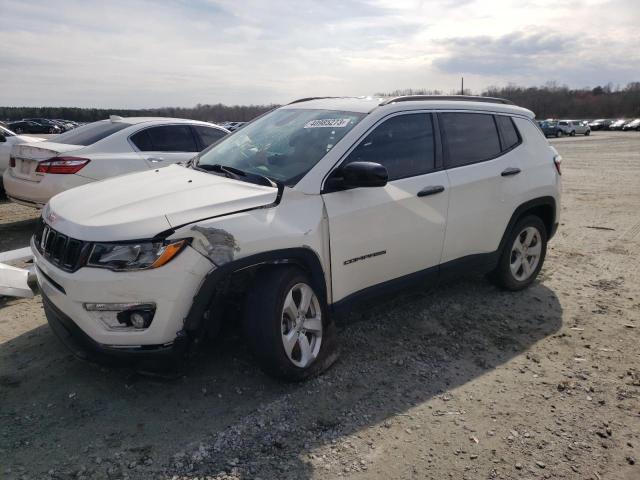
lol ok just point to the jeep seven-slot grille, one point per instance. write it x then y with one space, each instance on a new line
65 252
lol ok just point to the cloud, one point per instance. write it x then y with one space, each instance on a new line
141 53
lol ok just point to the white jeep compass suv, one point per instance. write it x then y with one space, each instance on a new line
306 209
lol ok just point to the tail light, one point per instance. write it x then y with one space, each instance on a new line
12 162
62 165
557 161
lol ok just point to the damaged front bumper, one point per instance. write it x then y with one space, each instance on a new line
149 357
14 281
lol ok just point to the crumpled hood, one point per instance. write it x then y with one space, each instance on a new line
141 205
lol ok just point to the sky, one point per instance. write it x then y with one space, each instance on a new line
142 53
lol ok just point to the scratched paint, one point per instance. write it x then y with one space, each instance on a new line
217 244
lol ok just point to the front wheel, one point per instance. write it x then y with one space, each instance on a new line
287 326
587 133
522 255
573 133
559 133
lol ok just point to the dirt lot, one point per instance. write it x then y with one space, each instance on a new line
463 381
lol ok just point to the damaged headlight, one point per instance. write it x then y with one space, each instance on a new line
134 256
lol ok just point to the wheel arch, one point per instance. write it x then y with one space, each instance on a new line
302 257
543 207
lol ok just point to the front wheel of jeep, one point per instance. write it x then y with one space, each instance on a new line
287 326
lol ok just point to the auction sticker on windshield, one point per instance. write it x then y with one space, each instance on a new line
328 123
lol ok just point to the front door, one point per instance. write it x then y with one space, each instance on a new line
379 234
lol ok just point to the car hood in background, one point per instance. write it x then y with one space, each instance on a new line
141 205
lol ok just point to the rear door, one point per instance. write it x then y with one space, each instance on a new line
163 145
483 163
384 233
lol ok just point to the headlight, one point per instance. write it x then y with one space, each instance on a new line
134 256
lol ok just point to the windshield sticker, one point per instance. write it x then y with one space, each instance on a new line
328 123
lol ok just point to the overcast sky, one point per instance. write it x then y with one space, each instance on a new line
137 53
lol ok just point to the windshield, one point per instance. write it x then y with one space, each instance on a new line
91 133
282 145
548 124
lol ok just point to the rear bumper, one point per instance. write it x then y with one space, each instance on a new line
38 193
152 357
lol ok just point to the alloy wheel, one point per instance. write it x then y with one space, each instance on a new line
301 325
525 253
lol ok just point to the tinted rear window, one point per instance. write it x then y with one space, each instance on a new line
508 132
471 138
166 138
208 135
92 133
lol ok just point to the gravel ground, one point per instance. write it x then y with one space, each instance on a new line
462 381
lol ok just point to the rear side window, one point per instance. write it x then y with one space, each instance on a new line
91 133
508 133
470 137
165 138
208 135
403 144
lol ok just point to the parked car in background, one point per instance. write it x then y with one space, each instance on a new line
567 127
618 124
46 121
579 127
552 128
232 126
632 125
101 150
307 209
600 124
28 126
7 140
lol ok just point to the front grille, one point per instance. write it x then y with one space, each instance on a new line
65 252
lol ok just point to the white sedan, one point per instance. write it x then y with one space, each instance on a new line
101 150
7 140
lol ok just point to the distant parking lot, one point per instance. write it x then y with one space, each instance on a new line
461 381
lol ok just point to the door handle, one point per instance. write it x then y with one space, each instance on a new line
431 190
510 171
155 159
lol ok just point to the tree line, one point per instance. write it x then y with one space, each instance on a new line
548 101
209 113
559 101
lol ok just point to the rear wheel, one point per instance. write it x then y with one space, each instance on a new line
19 130
287 326
573 133
587 133
523 255
559 133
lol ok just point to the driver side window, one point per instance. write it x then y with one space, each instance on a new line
403 144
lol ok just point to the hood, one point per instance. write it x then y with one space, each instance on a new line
141 205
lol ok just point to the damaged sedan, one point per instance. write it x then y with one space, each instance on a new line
302 212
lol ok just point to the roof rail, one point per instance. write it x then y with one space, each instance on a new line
459 98
307 99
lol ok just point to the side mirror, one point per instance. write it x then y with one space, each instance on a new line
363 174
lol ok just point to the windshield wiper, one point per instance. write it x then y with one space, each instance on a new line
237 174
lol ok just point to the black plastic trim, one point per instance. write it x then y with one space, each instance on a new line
303 257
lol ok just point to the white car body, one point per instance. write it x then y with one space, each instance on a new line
354 240
110 156
12 139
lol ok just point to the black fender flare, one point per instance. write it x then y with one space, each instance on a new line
547 201
303 257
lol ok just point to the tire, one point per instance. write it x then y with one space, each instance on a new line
559 133
51 130
19 130
587 133
272 320
511 275
573 133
